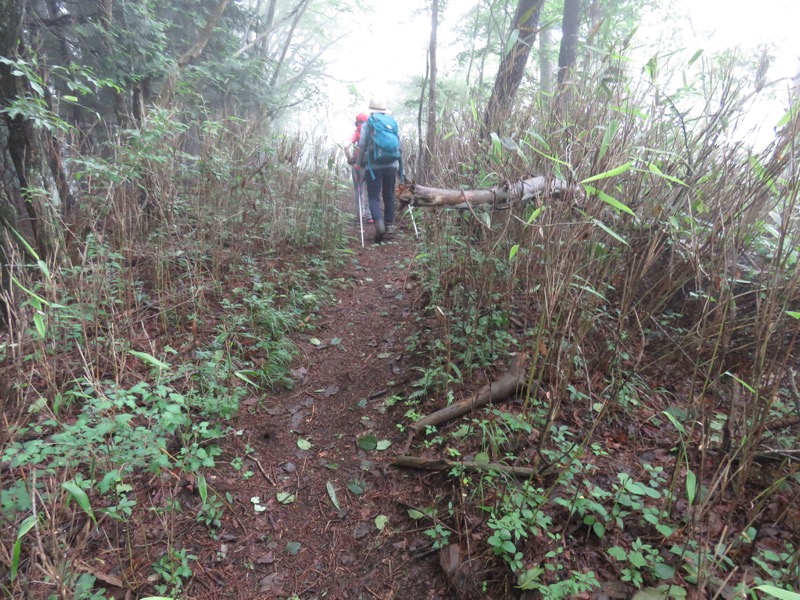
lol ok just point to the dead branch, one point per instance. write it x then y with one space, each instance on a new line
507 385
440 464
499 197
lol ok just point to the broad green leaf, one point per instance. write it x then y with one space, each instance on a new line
589 289
656 171
293 548
511 254
304 444
43 268
674 421
25 243
33 295
482 457
80 497
609 200
611 173
285 497
332 495
534 215
637 559
663 571
691 486
383 444
793 313
695 56
415 514
149 359
356 487
617 552
259 508
24 527
553 159
608 136
609 231
788 116
202 488
530 579
243 375
381 521
665 530
743 383
368 442
38 320
599 529
777 592
314 341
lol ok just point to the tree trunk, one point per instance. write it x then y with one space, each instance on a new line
29 192
498 197
30 197
512 66
545 64
568 54
300 10
430 137
168 91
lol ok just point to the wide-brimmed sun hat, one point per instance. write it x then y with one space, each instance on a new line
377 105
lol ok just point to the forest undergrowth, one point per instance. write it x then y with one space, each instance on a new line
658 303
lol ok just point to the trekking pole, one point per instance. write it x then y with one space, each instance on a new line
413 222
360 212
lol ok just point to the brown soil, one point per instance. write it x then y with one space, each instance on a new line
343 383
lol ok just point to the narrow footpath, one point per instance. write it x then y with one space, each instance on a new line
329 442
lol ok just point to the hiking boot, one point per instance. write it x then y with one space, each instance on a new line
390 228
380 231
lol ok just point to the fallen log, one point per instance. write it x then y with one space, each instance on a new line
498 197
441 464
507 385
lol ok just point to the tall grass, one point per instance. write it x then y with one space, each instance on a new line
197 249
667 282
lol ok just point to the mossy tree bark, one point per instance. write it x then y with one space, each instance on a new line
30 194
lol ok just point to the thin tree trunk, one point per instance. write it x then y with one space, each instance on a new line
168 91
420 137
299 15
545 64
568 54
30 197
430 146
472 45
512 66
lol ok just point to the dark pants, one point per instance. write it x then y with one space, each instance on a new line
381 182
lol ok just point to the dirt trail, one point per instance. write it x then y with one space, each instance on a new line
350 363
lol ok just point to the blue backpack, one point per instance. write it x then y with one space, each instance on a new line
385 144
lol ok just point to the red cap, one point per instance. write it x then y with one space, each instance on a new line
361 118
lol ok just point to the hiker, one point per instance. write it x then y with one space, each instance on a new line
381 159
351 152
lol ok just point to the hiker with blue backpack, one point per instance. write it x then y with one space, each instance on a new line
351 152
381 158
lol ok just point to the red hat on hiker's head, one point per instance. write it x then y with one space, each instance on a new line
361 118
